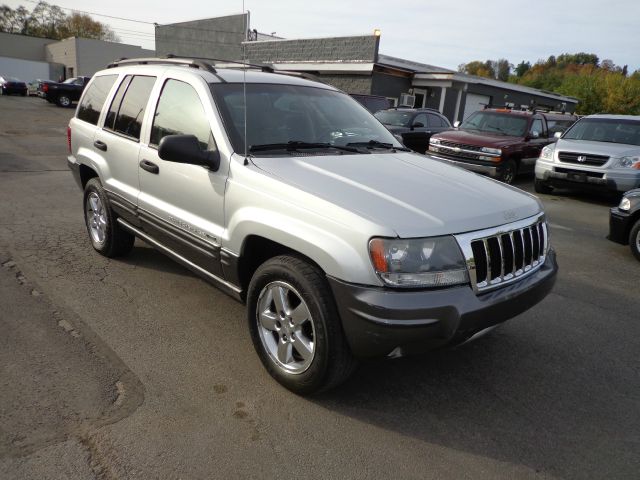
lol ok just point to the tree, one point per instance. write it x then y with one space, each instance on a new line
46 20
522 68
503 69
478 68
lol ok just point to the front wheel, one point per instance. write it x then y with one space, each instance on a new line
295 326
509 171
634 240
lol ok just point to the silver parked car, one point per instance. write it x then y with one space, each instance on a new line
291 197
598 151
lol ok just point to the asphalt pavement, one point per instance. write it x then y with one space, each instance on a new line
135 368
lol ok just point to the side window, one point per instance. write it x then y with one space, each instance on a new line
421 118
536 126
94 98
180 112
129 106
435 120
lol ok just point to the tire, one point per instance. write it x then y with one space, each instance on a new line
541 187
106 236
509 171
64 101
634 240
306 357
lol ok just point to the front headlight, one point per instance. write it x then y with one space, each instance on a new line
418 262
434 141
547 152
630 162
625 204
495 151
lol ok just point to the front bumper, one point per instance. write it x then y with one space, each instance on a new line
490 170
575 176
620 223
377 320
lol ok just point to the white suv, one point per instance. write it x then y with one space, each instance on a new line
342 244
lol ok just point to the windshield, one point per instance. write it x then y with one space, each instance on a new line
605 130
394 118
496 122
279 114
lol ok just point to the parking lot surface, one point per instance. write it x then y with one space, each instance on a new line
135 368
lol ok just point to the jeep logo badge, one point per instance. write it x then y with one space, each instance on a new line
582 158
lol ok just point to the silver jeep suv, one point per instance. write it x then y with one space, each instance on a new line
291 197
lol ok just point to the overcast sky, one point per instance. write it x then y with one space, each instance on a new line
441 32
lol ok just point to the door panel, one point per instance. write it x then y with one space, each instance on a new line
181 205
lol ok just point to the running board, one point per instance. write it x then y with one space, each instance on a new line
225 286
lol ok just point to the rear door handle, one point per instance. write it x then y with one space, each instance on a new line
100 145
149 166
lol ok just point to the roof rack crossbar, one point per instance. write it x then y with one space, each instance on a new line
169 60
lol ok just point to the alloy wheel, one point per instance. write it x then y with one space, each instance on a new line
96 218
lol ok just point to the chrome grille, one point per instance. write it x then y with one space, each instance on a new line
502 255
463 146
583 158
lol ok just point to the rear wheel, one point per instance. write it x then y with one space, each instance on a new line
107 237
64 101
634 240
542 187
295 326
509 171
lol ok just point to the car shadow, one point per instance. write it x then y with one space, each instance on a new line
148 258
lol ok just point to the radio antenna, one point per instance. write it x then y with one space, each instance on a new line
244 78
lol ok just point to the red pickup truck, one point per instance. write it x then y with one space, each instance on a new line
499 142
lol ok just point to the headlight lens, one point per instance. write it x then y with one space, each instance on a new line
434 141
547 152
418 262
625 204
630 162
495 151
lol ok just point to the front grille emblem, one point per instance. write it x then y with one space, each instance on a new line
582 158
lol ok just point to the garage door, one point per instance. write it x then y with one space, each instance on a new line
475 102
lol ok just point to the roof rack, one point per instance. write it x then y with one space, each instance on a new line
203 63
169 60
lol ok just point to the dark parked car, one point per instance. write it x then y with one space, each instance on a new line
624 222
65 93
9 85
373 103
414 125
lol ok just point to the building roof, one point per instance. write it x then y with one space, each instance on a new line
416 67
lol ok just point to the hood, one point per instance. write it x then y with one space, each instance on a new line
478 138
413 194
598 148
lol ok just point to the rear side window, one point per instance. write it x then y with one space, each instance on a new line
128 106
94 98
437 121
180 112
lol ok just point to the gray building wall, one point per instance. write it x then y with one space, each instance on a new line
389 85
360 84
84 56
334 49
220 37
23 46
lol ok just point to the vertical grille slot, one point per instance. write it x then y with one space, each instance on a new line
480 257
543 240
536 243
507 254
495 256
526 237
518 250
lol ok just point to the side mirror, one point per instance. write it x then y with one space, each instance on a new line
457 123
186 149
417 125
557 135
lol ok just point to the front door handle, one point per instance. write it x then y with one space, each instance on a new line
100 145
149 166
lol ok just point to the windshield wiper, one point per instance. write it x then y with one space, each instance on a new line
294 145
377 144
